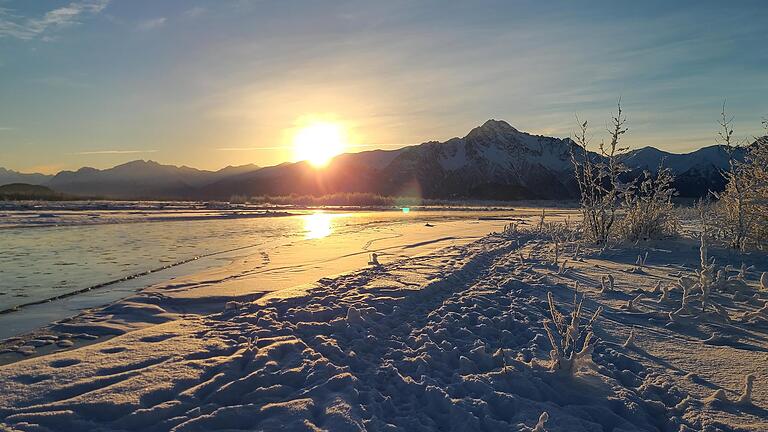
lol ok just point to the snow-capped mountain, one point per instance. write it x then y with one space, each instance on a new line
494 161
696 173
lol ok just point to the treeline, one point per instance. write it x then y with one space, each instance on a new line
343 199
28 192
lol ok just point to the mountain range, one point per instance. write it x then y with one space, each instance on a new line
493 161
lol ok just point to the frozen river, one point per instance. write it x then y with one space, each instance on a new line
234 255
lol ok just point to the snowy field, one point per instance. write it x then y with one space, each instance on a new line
453 337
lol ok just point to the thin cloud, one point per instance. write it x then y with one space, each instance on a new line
194 12
151 24
5 128
250 148
19 27
113 152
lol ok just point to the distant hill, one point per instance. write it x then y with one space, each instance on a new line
493 161
9 176
24 191
696 173
141 180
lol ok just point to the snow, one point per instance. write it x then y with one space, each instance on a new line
449 339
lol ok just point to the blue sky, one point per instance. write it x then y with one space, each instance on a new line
215 83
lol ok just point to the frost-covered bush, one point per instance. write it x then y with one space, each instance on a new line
757 160
648 209
569 338
743 206
599 181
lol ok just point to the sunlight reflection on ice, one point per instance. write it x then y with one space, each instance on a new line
318 225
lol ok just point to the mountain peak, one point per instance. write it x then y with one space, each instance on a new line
492 130
498 126
138 163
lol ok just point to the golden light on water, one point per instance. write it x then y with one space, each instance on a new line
318 225
319 141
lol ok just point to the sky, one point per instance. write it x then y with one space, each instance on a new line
227 82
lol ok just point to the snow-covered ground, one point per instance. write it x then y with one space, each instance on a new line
451 338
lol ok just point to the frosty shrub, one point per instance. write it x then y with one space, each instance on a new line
569 338
648 210
743 206
757 158
707 213
238 199
599 179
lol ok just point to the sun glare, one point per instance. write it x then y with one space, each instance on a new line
318 225
318 142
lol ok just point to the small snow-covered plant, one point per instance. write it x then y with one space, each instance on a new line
761 313
630 307
374 260
599 179
569 338
764 281
657 287
722 312
640 262
562 269
509 230
706 276
543 418
630 342
250 350
743 271
556 249
648 209
744 399
606 284
664 294
746 395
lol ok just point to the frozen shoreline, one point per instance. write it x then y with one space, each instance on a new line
282 262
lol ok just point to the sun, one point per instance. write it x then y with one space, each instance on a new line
318 142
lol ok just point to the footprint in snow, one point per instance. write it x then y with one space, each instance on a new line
63 363
157 338
32 379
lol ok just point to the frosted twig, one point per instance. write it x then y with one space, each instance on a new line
540 424
630 342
